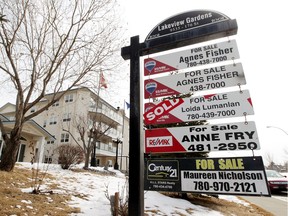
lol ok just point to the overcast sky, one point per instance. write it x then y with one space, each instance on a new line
262 45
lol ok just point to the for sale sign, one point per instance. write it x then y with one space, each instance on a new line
212 106
199 56
203 138
232 175
196 80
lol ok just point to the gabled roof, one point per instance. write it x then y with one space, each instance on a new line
7 108
31 128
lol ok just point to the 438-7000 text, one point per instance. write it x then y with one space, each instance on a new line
207 86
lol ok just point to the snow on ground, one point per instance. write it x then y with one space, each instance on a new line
89 192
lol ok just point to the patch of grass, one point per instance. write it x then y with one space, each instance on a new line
15 202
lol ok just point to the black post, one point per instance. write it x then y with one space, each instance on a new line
93 157
136 149
116 165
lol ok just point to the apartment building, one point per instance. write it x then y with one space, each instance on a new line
83 108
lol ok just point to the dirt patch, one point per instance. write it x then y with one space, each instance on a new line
226 207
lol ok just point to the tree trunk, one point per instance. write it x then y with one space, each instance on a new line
86 163
9 155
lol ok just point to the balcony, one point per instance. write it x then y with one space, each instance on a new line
107 150
106 115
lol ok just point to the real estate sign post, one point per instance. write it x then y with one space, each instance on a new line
178 31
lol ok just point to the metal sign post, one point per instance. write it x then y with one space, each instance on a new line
136 148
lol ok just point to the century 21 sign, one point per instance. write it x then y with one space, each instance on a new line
237 175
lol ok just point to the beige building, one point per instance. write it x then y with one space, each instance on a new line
81 107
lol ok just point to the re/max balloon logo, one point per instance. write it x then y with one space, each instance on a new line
150 65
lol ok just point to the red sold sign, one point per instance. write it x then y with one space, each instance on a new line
161 109
205 107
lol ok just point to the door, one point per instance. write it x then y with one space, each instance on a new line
21 153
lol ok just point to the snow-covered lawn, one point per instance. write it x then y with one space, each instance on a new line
89 192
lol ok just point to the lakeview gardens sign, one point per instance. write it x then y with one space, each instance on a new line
186 21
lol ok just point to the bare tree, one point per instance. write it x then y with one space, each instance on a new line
52 46
91 130
270 160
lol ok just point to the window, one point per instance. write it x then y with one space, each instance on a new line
66 117
92 103
50 142
53 120
48 159
55 104
68 98
110 147
33 109
64 137
44 123
109 162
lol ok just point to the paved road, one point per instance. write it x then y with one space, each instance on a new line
277 204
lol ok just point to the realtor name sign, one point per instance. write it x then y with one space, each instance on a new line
212 106
199 56
197 80
204 138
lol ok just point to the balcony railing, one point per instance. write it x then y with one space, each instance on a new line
106 149
109 113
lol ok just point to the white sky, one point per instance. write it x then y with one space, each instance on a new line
93 188
262 44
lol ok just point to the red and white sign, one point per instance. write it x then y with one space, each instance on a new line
203 138
212 106
197 80
199 56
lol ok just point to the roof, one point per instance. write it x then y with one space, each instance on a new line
31 128
7 108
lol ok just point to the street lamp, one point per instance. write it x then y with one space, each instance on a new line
117 141
278 128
